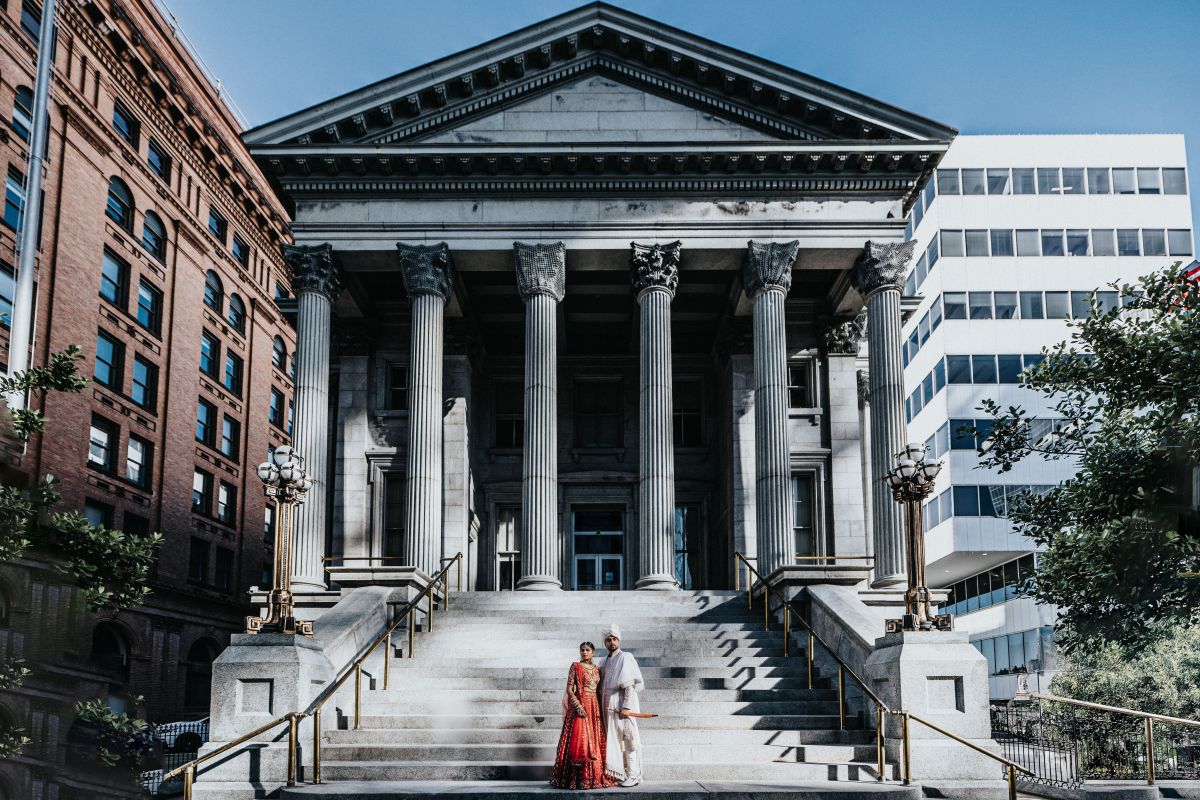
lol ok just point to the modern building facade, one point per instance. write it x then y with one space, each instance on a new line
1012 239
160 257
596 290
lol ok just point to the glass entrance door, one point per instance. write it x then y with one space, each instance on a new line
598 536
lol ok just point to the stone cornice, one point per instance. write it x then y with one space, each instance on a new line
654 266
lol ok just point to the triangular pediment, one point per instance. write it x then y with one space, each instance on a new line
729 95
597 108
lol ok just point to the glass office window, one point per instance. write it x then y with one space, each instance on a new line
1023 181
958 369
1107 301
923 328
997 181
1029 243
966 501
980 305
1008 368
972 181
1031 305
977 243
1077 242
1048 181
939 376
1154 243
1124 181
1149 181
931 253
1072 181
1174 181
1006 305
935 314
1058 305
983 369
1052 242
955 304
1103 243
1002 242
952 243
961 436
1179 242
947 181
1099 181
1081 304
1128 242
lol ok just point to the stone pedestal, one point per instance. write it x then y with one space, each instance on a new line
939 676
655 276
316 283
541 281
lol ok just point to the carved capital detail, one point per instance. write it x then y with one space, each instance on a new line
844 335
864 387
313 269
768 265
541 269
655 266
881 266
426 269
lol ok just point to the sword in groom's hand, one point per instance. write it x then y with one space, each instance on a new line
637 714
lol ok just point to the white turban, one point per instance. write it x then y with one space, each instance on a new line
612 630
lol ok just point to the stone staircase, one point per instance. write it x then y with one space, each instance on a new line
482 701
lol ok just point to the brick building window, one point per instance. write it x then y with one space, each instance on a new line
237 314
158 160
125 123
110 358
231 434
98 515
144 390
154 235
279 354
31 19
137 462
233 373
202 492
214 292
227 503
14 199
135 524
22 119
687 399
120 204
291 415
149 310
198 561
275 412
240 251
509 413
217 225
269 526
102 443
210 352
206 421
114 279
223 570
8 290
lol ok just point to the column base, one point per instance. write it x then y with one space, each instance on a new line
889 581
539 583
307 584
657 583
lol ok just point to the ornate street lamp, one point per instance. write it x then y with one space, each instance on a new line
911 481
286 481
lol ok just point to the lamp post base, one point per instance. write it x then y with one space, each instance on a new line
280 617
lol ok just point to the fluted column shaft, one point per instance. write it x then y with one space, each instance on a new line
423 483
879 277
655 276
428 276
541 272
316 283
768 277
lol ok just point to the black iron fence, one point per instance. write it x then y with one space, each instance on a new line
1064 745
179 743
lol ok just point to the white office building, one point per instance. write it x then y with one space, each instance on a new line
1014 235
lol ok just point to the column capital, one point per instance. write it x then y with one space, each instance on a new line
313 269
843 335
655 266
426 269
768 265
881 266
541 269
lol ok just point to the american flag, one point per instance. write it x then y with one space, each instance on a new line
1192 271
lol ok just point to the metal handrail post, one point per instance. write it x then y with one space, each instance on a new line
841 698
1149 751
316 717
357 694
879 750
766 607
907 752
787 625
810 660
387 660
412 626
189 776
292 744
429 597
1012 782
445 592
458 583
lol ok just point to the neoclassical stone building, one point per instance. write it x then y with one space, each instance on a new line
586 303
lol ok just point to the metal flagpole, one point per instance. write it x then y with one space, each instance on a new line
22 307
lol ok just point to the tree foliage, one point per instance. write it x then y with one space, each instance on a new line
12 738
117 735
1121 544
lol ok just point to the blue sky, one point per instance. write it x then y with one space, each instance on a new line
1017 66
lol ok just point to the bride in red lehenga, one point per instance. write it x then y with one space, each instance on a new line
579 761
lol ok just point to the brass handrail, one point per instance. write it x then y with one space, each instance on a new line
881 708
1148 720
354 668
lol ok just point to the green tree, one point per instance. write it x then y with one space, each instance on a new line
1121 543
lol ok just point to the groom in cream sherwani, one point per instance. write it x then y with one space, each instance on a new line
622 680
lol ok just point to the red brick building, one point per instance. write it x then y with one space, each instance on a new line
160 256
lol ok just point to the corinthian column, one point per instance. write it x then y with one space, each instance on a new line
316 284
655 276
767 276
541 280
428 276
879 277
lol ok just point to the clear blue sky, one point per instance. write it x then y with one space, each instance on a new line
1018 66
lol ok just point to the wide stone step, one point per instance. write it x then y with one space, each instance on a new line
653 754
567 635
711 721
413 680
508 660
501 770
429 668
656 696
651 790
548 736
470 620
380 703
